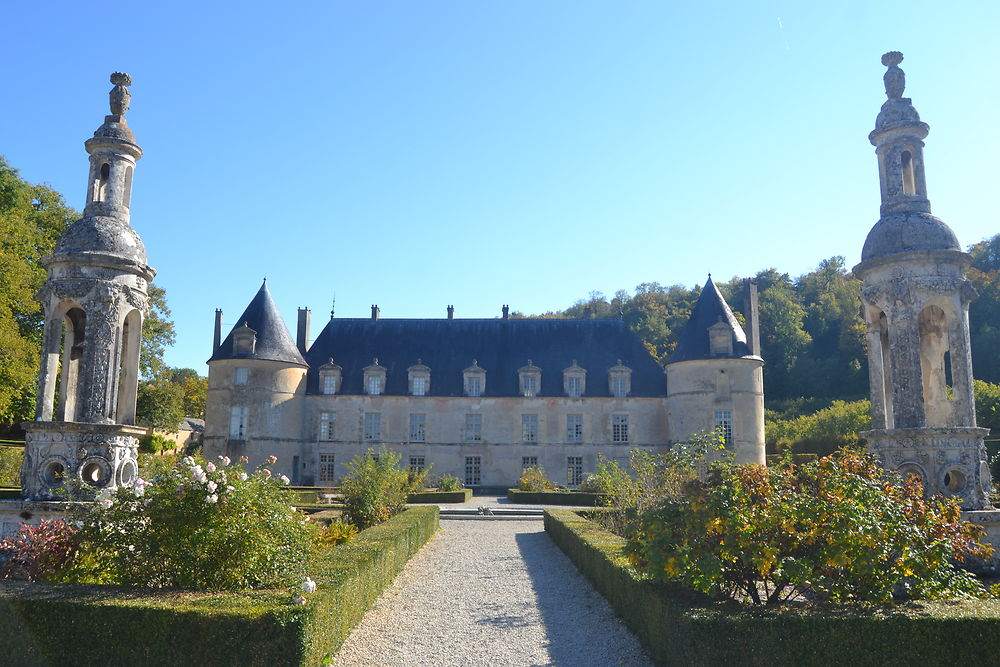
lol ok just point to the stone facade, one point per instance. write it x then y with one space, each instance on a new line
94 300
479 399
915 301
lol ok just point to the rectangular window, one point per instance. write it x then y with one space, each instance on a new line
238 423
327 420
619 387
529 462
419 386
475 386
329 384
417 463
529 428
241 375
327 465
619 428
574 428
574 470
374 386
473 470
474 428
574 386
418 428
530 385
724 424
373 426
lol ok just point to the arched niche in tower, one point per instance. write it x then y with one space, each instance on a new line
934 326
907 170
128 367
102 182
127 192
74 327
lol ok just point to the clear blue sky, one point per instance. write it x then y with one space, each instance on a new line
475 153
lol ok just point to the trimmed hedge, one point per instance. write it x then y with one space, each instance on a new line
680 627
579 498
10 465
460 496
101 625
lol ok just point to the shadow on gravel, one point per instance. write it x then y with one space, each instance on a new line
563 603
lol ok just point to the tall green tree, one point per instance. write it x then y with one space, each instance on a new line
31 219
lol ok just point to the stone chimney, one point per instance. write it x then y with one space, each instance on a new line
375 312
506 312
451 312
302 330
217 339
752 315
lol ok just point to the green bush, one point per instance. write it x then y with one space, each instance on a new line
448 482
682 627
200 527
154 443
374 488
533 480
821 432
840 529
655 478
10 466
56 623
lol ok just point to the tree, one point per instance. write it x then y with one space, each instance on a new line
31 219
160 404
194 389
157 334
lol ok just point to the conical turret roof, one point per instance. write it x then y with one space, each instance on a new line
273 341
710 309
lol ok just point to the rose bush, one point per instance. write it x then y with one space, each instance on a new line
201 526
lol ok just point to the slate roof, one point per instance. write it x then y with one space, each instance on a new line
274 343
693 341
499 346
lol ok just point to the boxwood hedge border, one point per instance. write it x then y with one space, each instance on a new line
459 496
52 624
680 627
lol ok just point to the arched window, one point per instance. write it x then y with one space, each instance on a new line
127 192
909 183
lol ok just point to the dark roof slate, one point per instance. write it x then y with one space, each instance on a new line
499 346
274 343
710 308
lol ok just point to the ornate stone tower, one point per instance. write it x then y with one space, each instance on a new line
916 304
94 300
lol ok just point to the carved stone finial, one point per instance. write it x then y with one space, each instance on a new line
119 94
894 78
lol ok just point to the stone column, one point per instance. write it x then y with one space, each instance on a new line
907 387
876 375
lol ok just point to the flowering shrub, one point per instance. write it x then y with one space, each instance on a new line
534 480
837 529
37 552
374 488
202 526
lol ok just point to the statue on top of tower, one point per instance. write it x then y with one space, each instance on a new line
894 78
119 95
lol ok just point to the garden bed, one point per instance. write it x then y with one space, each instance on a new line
678 626
99 625
577 498
459 496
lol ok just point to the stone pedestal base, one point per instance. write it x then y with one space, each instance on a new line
15 512
989 520
951 461
76 458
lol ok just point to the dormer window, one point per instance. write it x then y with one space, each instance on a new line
620 380
419 379
720 339
474 380
244 341
329 378
529 379
374 378
574 380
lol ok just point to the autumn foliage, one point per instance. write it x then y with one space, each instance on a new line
835 530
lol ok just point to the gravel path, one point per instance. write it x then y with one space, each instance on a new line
491 593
